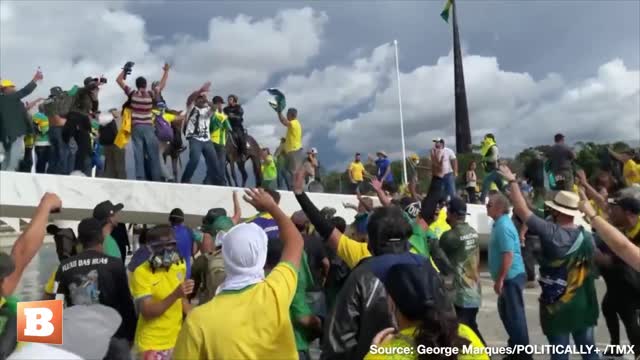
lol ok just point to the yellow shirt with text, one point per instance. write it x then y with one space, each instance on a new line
356 169
159 333
251 323
293 139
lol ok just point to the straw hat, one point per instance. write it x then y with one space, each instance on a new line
565 202
381 152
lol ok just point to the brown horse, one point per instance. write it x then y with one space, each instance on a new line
252 152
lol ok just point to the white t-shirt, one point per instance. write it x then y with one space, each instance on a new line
198 123
447 156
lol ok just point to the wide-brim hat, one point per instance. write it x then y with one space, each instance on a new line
381 152
565 202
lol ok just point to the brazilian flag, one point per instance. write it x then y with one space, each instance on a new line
278 103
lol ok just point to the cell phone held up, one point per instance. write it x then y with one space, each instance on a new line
127 68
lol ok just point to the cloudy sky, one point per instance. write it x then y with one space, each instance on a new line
532 68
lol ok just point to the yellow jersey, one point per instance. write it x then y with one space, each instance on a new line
293 139
251 323
159 333
356 169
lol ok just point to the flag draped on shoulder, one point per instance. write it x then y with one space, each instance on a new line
447 9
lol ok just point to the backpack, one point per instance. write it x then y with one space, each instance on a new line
164 131
59 105
215 274
107 133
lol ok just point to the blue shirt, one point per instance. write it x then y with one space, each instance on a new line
267 223
184 242
505 238
382 165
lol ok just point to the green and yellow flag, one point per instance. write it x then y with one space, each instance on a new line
445 12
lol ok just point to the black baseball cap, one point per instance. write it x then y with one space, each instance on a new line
105 210
457 206
176 214
7 266
415 289
410 206
630 204
212 215
558 137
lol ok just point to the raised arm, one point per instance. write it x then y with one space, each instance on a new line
165 76
291 238
283 119
591 192
520 207
120 80
30 241
32 104
237 211
326 230
377 186
204 88
616 156
617 241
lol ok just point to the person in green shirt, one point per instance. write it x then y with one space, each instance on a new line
106 212
269 170
306 325
462 249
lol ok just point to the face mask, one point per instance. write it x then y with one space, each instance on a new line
164 258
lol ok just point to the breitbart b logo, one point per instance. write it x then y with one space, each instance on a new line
40 321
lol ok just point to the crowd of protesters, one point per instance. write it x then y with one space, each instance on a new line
70 133
404 274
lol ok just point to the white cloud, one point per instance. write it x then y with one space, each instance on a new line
75 39
520 110
355 104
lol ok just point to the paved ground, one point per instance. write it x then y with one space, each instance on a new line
488 319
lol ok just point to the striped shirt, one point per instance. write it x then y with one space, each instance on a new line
141 105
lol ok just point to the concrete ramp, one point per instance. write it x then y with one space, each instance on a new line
151 202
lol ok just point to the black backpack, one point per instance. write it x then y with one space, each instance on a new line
107 133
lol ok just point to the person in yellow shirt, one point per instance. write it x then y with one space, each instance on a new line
249 317
160 291
630 168
417 295
357 173
293 152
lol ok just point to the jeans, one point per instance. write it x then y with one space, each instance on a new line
43 153
468 316
283 182
59 153
449 185
221 155
26 164
436 188
145 143
582 337
293 160
492 177
471 193
196 148
13 154
512 313
78 126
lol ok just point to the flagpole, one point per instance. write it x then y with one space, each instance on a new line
404 152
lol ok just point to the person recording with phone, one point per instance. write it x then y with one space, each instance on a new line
78 125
